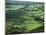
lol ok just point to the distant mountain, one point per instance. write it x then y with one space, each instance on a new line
21 2
17 1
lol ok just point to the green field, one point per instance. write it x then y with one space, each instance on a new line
24 18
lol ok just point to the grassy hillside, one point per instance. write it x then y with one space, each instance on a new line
24 18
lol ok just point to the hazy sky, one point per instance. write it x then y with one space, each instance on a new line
17 0
26 0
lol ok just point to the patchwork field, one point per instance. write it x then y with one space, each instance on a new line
24 18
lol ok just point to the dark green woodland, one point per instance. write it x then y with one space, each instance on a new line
25 17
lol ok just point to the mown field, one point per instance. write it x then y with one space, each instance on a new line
24 18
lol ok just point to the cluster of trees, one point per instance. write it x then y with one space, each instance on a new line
26 19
